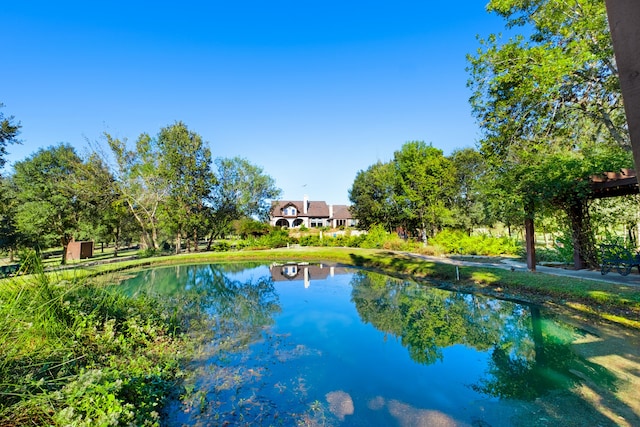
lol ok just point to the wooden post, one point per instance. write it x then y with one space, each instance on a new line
624 19
530 236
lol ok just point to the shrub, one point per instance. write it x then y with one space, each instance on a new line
458 242
309 240
377 238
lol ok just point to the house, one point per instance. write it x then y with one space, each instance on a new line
290 213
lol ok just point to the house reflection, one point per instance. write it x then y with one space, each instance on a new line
304 272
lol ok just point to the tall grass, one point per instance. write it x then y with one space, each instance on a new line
72 353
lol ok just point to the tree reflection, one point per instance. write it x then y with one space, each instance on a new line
209 302
529 355
552 366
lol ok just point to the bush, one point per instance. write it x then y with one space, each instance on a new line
277 238
379 238
221 246
309 240
458 242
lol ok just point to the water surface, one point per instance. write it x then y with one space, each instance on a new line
319 345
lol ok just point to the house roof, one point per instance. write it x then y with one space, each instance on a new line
341 212
315 209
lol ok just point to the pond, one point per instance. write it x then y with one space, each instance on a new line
313 344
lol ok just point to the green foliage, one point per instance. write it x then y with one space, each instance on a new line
310 240
551 111
82 355
277 238
185 165
470 169
250 227
375 238
413 191
9 131
243 190
50 207
458 242
30 261
425 183
140 183
372 196
221 246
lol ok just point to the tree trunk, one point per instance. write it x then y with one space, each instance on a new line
116 238
195 240
65 244
584 253
178 242
530 236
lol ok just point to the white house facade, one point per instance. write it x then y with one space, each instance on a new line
309 213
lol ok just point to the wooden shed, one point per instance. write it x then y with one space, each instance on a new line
79 250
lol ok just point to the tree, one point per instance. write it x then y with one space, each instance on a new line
107 216
185 164
243 190
470 168
49 205
9 235
9 131
372 195
424 187
546 99
142 186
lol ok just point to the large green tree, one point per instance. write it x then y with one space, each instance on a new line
468 203
9 235
546 102
372 196
243 190
142 186
8 135
108 218
185 164
424 187
50 207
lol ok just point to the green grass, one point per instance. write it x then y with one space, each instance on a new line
76 354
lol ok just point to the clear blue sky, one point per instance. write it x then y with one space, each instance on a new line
312 92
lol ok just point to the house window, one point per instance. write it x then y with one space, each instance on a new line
317 222
290 211
340 222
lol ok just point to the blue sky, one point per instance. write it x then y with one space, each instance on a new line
312 92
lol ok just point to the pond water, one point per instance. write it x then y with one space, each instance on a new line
319 345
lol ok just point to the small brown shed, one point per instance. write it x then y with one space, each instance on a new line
79 250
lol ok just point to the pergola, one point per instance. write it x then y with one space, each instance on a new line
614 184
607 184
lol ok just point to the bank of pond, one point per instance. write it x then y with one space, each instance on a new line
300 344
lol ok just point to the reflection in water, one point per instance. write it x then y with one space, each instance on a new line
529 355
304 272
358 348
340 404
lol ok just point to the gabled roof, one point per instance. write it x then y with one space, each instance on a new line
315 209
